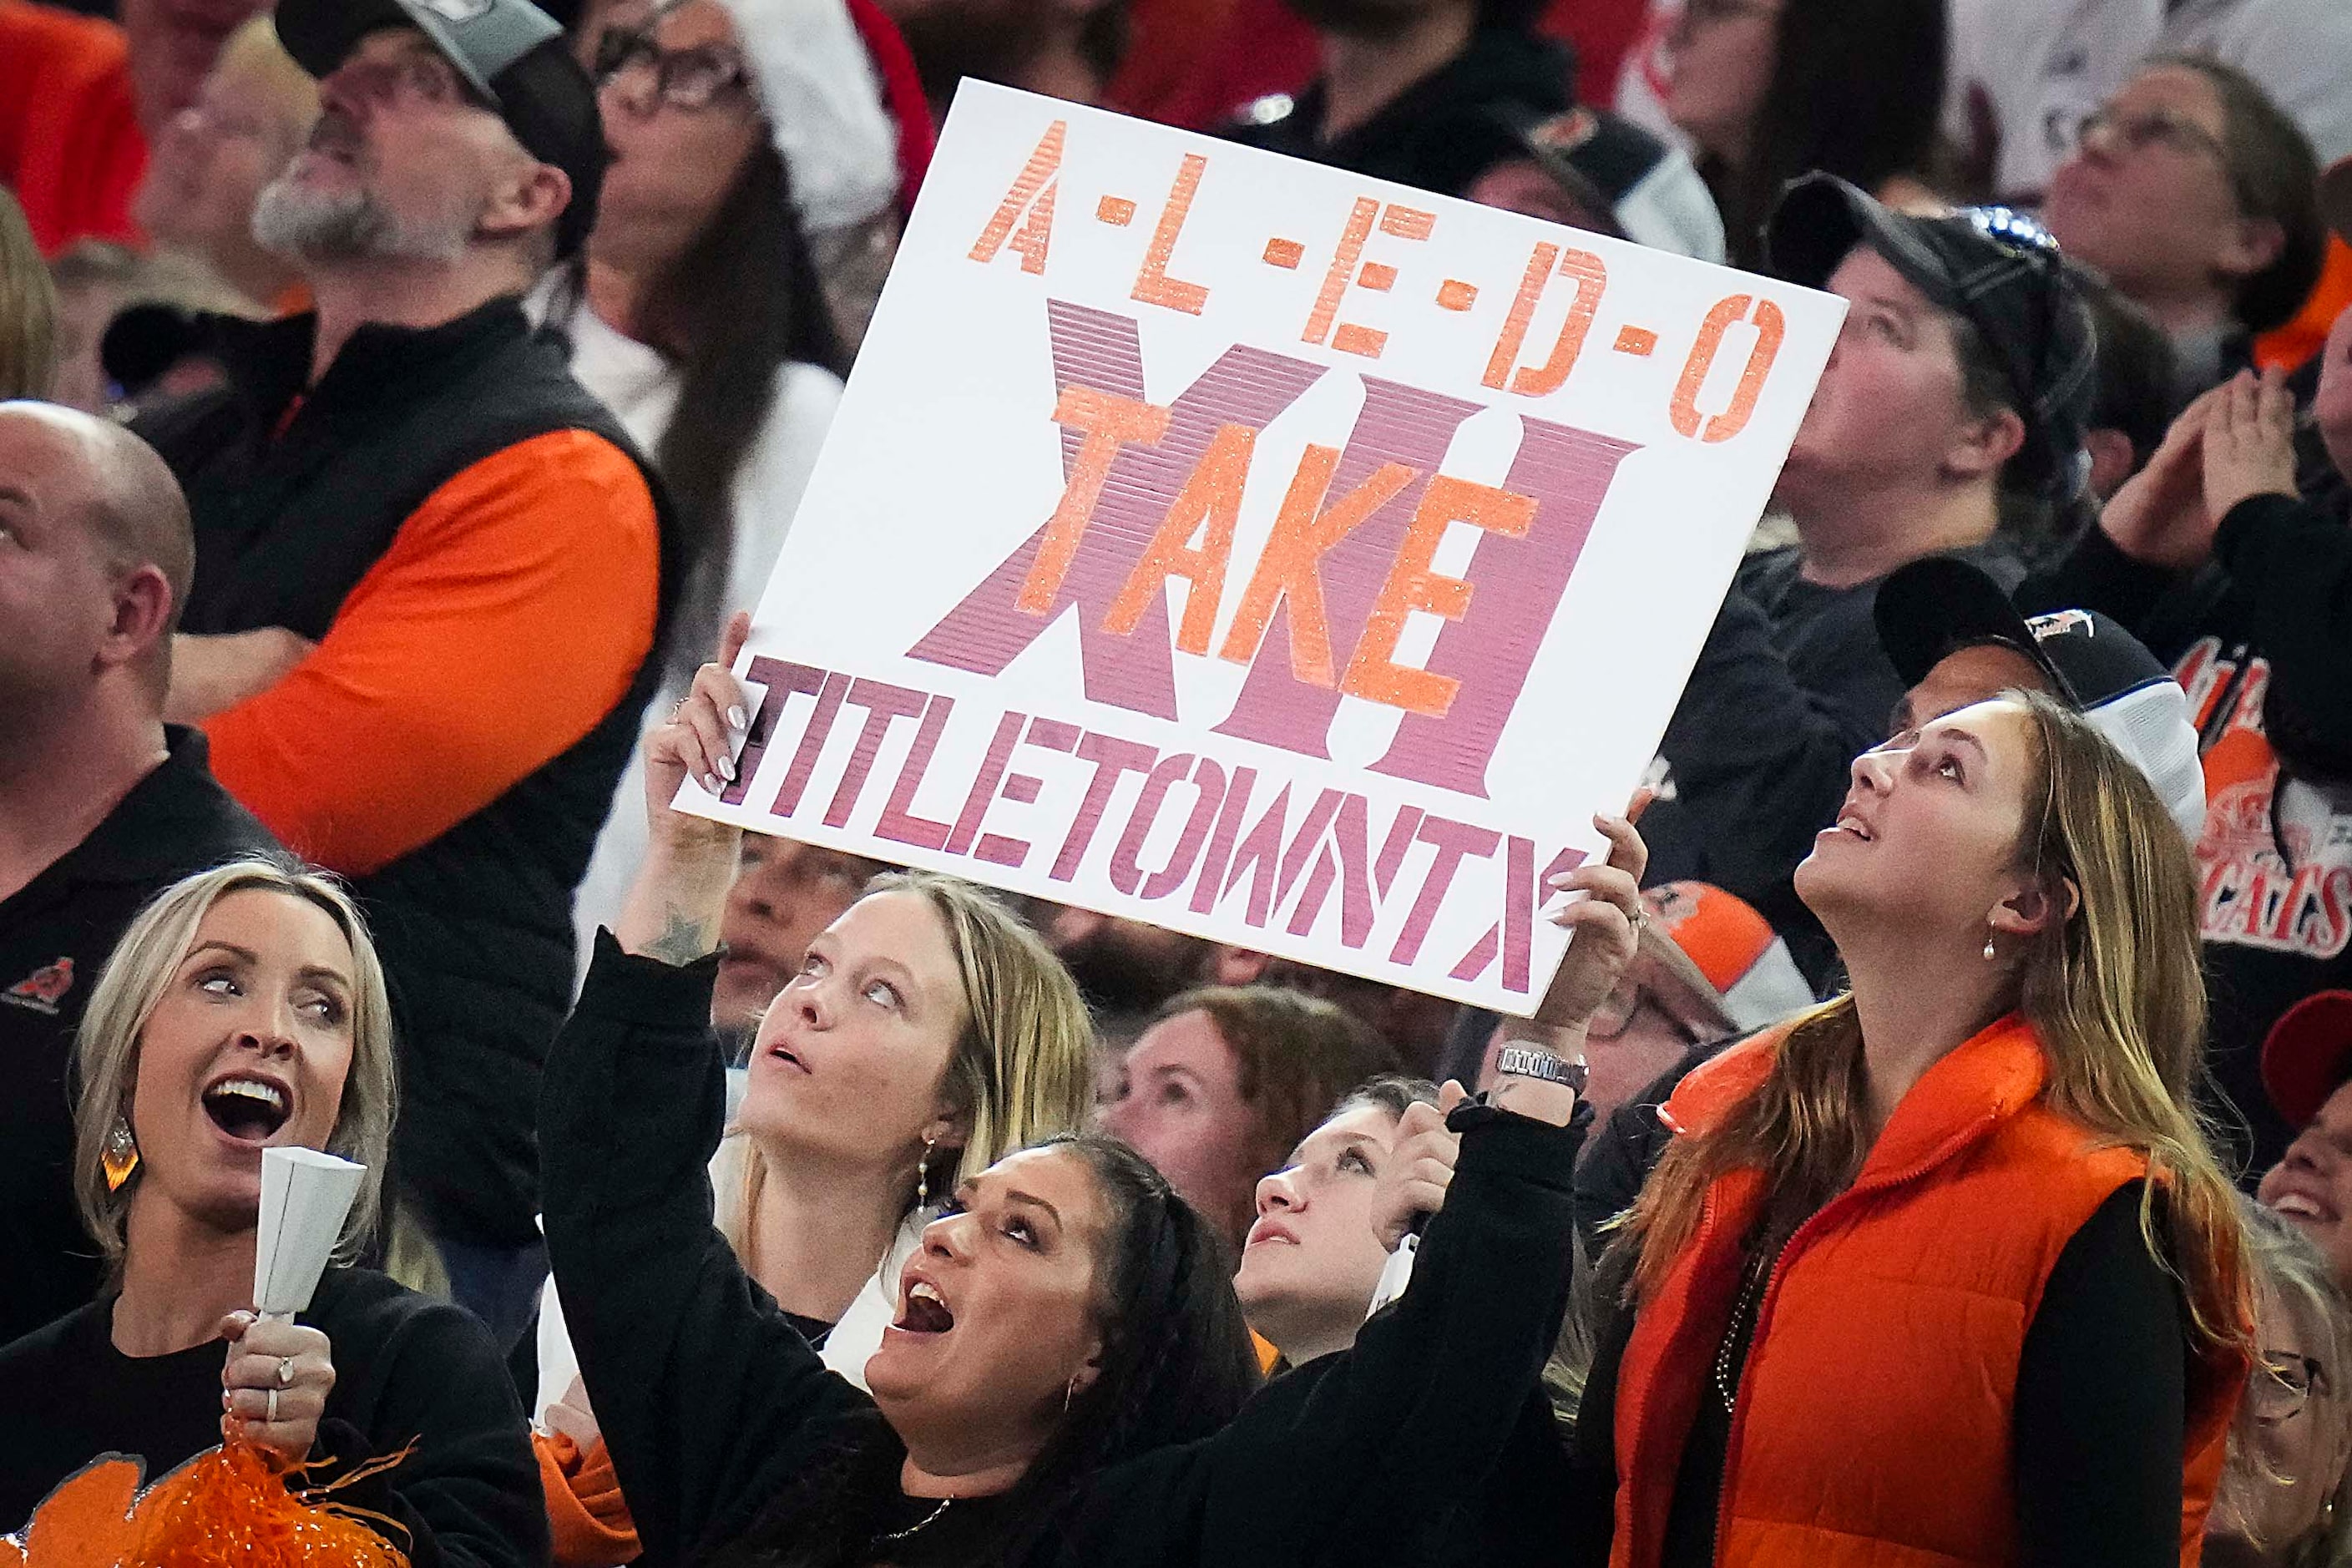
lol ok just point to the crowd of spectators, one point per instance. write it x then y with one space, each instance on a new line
1936 1146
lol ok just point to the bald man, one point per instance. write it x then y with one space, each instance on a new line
101 803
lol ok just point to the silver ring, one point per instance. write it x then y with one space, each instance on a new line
286 1372
272 1416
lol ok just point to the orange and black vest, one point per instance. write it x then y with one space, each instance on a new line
1872 1417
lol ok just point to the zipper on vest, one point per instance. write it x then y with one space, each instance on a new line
1771 1296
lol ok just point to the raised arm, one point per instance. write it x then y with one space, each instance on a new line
1399 1441
709 1400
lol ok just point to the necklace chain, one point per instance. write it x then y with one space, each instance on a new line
930 1517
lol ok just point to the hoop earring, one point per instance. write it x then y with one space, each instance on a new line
1069 1392
923 1175
120 1157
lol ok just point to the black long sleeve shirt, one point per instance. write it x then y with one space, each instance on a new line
406 1368
2262 638
711 1404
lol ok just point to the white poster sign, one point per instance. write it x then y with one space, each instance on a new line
1260 550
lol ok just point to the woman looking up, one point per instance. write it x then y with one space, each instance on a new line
856 1122
1914 1279
695 310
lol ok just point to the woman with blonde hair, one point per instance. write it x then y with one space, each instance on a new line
928 1034
1945 1271
2286 1498
28 309
245 1009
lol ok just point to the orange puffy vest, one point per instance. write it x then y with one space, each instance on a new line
1873 1415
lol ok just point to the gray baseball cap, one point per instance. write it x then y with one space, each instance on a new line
510 51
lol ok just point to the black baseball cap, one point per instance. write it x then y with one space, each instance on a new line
510 51
1998 269
1940 604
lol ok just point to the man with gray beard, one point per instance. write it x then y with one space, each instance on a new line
431 570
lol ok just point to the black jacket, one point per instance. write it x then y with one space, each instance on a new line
712 1403
2263 639
475 927
1442 133
1789 688
406 1368
55 936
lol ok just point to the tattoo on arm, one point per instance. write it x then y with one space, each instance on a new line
683 938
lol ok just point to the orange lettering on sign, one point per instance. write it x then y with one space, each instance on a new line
1397 222
1109 422
1373 673
1303 531
1030 194
1591 278
1211 496
1343 267
1771 326
1153 284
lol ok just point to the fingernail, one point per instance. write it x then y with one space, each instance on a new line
727 769
735 718
711 785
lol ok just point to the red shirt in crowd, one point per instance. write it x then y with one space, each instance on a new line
71 146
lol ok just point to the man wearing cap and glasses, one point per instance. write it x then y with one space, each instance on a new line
1957 393
430 569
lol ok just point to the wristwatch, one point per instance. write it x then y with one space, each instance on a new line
1533 1061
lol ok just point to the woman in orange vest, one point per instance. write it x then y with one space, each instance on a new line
1946 1272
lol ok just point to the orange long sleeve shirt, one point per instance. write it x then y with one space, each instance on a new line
510 615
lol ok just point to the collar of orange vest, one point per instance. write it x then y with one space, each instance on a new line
1984 1081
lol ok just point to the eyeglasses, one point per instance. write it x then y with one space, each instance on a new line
2283 1387
689 78
2152 127
1617 1012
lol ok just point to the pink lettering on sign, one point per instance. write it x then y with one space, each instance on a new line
1518 582
1102 353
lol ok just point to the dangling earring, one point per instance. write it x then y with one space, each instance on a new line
923 1175
119 1158
1989 953
1069 1392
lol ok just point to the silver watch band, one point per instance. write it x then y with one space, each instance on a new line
1532 1061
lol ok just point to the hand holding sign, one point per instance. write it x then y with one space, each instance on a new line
700 738
675 906
1605 924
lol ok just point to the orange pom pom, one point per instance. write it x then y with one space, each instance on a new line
231 1505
